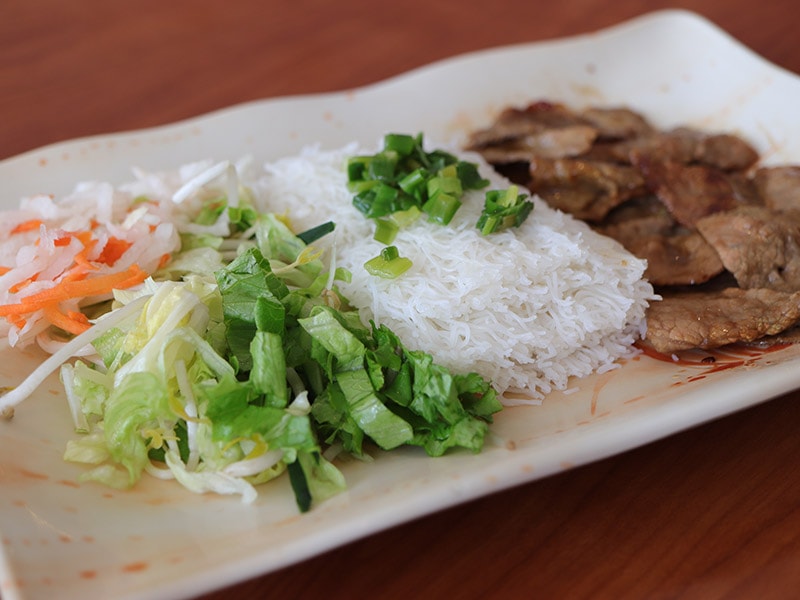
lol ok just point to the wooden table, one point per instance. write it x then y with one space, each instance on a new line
710 513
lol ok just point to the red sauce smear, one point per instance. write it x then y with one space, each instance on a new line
718 359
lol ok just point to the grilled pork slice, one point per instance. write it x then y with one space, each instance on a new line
761 247
617 123
561 142
588 190
675 255
715 319
682 145
690 192
514 123
552 130
779 187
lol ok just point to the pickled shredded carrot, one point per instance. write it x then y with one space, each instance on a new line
135 277
78 316
76 273
20 285
66 290
74 282
89 287
27 226
53 314
113 251
85 237
81 257
17 321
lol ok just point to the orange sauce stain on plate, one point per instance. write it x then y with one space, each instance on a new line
635 399
33 475
602 381
135 567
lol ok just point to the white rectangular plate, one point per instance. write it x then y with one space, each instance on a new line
61 539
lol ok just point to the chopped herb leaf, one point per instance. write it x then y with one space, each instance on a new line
503 209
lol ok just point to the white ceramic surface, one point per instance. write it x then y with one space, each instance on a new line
61 539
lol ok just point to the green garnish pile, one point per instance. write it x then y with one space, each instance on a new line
401 182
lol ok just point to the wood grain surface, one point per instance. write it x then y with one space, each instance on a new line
713 512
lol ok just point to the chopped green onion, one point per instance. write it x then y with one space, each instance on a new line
470 177
299 482
416 177
381 200
414 182
503 209
361 185
446 184
356 167
401 143
383 165
390 253
388 264
441 208
312 235
449 171
404 218
385 231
